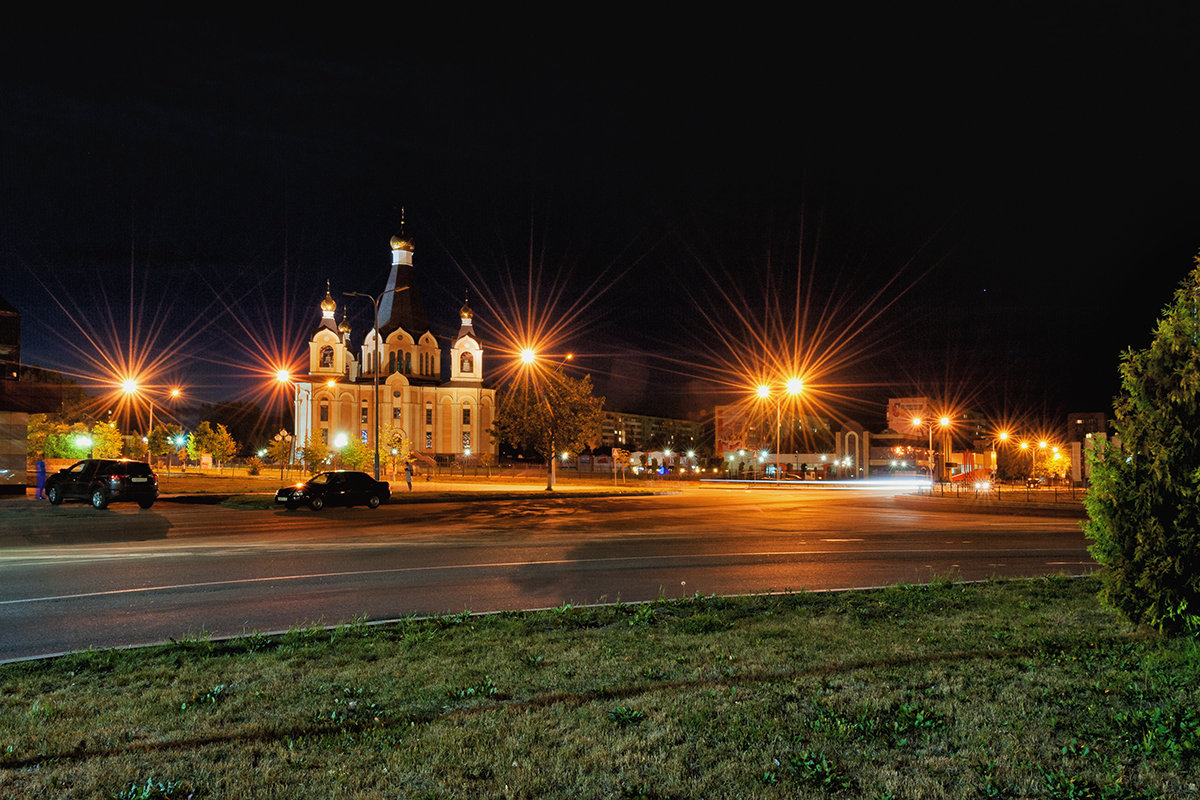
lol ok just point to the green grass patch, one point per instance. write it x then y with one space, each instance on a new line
1006 689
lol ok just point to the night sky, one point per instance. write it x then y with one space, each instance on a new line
986 211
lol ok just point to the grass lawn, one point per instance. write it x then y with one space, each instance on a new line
1006 689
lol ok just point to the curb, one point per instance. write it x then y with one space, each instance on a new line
972 506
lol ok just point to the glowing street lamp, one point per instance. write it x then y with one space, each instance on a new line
791 388
131 389
943 423
285 449
528 356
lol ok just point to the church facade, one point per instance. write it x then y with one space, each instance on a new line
432 396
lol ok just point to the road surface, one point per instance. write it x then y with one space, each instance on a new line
72 577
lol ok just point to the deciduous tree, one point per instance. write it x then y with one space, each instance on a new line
314 452
550 414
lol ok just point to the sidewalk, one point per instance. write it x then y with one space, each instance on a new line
434 491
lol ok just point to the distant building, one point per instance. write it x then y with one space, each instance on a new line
643 432
1086 430
449 418
18 399
1082 423
10 341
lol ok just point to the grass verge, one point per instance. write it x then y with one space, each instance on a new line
1003 689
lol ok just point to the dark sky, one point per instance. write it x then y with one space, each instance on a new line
986 210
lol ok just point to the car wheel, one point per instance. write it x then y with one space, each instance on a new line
373 501
99 499
317 503
146 503
54 495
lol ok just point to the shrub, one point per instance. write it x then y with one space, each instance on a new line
1144 504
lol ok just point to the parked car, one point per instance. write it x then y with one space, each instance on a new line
102 481
339 488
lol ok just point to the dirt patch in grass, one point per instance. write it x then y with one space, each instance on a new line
1006 689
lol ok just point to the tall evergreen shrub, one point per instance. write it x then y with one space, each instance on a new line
1144 503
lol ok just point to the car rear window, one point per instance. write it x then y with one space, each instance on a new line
134 469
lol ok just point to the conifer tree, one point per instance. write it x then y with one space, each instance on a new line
1144 503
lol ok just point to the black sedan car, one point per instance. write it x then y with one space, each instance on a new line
335 489
102 481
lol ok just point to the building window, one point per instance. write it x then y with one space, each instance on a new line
397 413
466 363
391 362
428 440
325 436
363 417
408 363
467 415
429 413
363 435
466 440
326 356
324 412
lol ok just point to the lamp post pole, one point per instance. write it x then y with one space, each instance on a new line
944 422
375 299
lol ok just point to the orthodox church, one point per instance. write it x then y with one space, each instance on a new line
447 418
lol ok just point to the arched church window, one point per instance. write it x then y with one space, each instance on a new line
326 356
391 362
408 363
466 363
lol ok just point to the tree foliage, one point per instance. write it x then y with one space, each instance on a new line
279 448
55 439
166 439
107 441
216 442
1144 504
356 455
314 453
550 415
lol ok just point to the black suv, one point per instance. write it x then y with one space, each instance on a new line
103 480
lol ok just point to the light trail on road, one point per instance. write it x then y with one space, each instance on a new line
77 580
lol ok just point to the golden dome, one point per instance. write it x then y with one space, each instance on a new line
465 312
344 326
402 243
327 304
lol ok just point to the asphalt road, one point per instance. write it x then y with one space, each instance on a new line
72 577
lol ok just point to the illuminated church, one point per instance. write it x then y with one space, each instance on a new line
442 418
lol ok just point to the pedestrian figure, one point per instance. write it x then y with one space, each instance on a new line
41 478
408 473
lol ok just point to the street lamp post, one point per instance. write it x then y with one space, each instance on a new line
944 423
131 388
285 449
528 357
791 388
375 299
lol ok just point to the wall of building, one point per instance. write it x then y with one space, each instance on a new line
14 428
